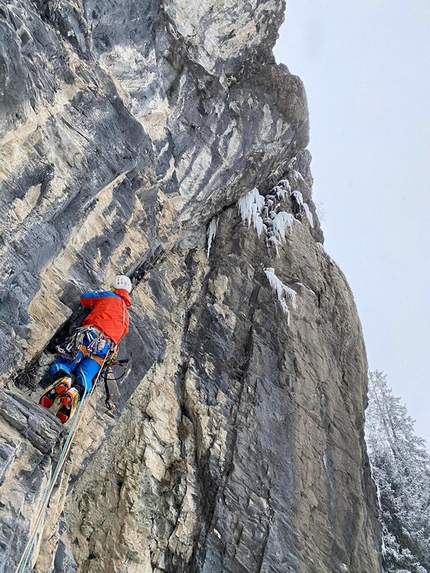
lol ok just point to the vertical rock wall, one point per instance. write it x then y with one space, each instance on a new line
130 133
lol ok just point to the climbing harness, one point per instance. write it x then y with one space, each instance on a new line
61 461
86 341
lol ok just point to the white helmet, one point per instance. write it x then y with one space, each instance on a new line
122 282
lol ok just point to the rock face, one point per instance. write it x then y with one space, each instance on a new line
162 140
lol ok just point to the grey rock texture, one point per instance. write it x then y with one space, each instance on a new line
162 140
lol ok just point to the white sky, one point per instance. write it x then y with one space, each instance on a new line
366 70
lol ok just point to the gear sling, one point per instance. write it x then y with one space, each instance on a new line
82 355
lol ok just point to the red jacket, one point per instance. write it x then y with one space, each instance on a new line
110 314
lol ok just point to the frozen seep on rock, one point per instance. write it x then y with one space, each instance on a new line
131 134
282 292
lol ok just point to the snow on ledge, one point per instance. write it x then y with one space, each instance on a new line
299 198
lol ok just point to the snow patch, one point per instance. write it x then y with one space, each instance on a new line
307 288
297 176
282 291
299 198
285 184
280 192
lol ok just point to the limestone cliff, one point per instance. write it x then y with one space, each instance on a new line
161 139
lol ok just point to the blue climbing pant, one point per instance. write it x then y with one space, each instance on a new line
84 368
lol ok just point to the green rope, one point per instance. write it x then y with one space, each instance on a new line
24 559
65 450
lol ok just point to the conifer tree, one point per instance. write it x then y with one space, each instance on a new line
401 470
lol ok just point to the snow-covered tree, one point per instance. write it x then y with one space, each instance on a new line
401 470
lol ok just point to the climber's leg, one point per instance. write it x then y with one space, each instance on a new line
84 375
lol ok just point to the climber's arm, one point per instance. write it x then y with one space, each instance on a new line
89 299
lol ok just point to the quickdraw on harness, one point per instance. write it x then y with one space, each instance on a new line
87 341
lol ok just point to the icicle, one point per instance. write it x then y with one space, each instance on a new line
250 208
280 223
211 233
282 291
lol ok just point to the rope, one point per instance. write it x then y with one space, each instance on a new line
61 460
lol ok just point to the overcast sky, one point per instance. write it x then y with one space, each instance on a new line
366 70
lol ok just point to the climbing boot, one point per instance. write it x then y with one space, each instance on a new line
69 403
58 388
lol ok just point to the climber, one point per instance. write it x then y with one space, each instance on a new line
79 362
